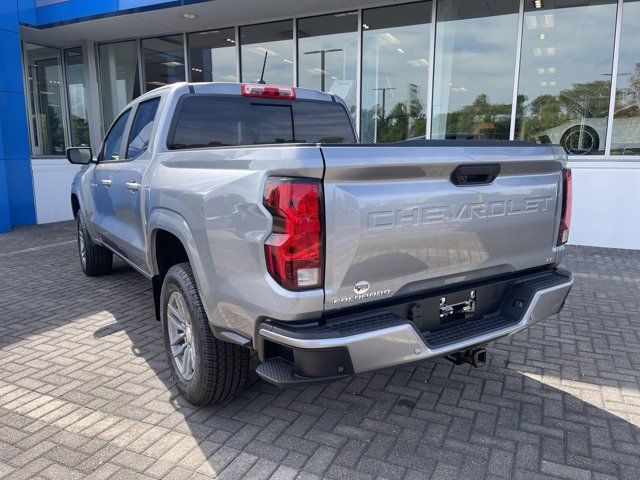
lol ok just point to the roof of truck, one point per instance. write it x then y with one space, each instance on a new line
235 88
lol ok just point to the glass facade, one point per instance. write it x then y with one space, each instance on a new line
46 110
76 76
119 78
212 56
163 59
625 138
267 46
328 55
395 72
552 71
475 69
565 74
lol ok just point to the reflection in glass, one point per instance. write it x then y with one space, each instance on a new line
45 94
270 41
475 66
327 55
625 139
212 56
395 72
163 59
77 96
565 74
119 79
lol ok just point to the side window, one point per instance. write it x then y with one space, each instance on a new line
142 125
113 142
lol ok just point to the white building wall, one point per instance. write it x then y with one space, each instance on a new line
52 188
606 204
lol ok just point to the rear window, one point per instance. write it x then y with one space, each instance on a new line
218 121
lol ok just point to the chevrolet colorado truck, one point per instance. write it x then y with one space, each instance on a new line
264 225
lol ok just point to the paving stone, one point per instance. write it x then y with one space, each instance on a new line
85 391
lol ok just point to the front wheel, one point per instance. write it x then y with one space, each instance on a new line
95 259
204 368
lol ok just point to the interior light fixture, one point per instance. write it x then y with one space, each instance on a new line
189 16
365 26
537 3
542 36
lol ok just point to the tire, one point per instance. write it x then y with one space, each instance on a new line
95 260
205 369
571 138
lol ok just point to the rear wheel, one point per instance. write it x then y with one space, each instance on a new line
204 368
95 260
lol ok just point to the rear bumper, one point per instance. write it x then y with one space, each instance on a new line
385 340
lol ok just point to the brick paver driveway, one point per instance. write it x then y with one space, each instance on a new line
85 391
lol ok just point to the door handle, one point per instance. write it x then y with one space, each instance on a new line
106 182
475 174
133 186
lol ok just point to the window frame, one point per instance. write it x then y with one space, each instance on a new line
29 101
129 131
125 135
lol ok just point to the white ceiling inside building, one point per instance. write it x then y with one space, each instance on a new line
212 14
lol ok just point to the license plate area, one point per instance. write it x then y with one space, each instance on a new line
458 306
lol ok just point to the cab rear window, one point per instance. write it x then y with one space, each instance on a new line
220 121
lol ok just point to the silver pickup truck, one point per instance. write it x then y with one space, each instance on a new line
263 225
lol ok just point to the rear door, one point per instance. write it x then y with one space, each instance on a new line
400 219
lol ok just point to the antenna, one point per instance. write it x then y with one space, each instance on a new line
264 64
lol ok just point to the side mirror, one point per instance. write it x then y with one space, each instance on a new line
79 155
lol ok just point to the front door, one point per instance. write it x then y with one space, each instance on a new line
127 192
103 185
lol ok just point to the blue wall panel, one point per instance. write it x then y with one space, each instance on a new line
11 76
61 12
16 185
5 211
13 124
27 12
74 9
129 4
20 191
9 15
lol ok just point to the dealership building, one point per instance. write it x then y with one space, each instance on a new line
547 71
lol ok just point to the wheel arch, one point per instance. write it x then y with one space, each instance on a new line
75 205
170 243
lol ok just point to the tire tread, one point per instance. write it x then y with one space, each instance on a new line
99 259
225 365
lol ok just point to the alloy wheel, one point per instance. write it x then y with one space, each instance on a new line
180 329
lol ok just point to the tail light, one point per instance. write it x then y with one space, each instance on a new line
268 91
294 248
565 218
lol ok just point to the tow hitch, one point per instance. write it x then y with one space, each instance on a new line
476 357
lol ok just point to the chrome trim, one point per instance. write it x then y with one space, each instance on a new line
392 346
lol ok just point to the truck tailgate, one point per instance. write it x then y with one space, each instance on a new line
398 220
